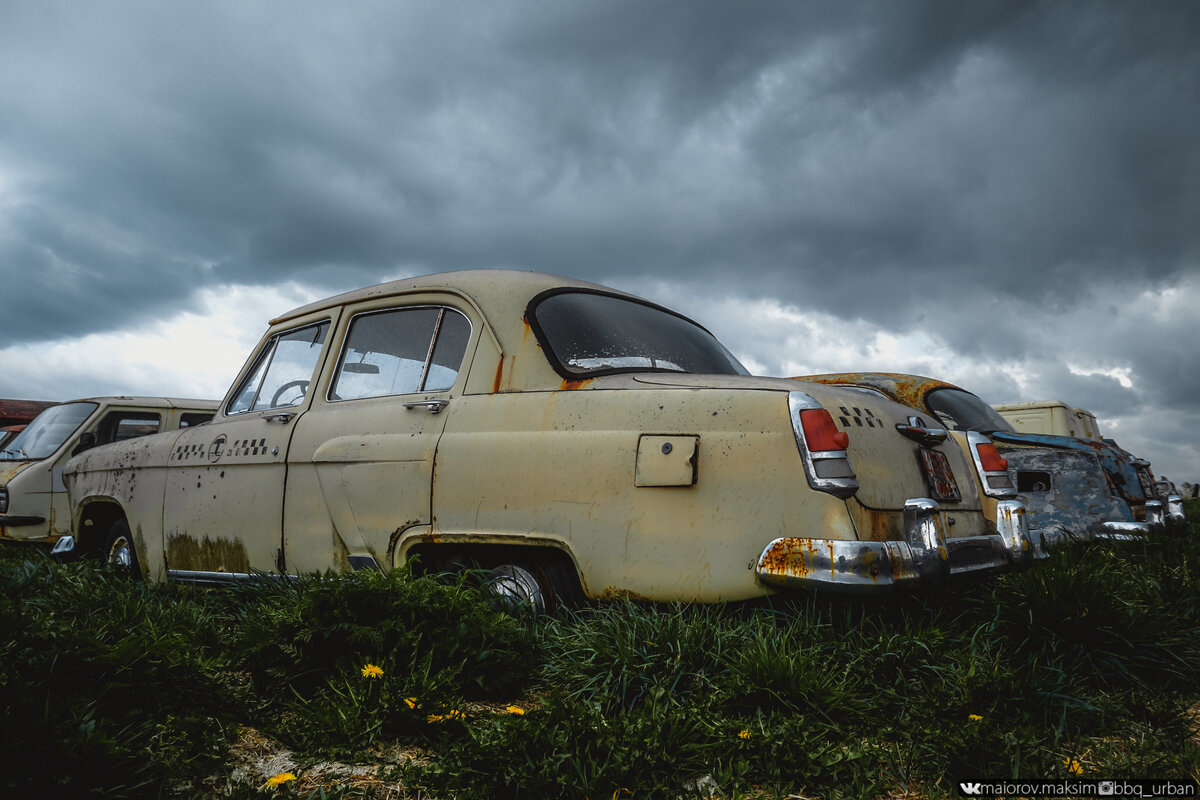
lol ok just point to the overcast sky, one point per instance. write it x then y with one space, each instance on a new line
1004 195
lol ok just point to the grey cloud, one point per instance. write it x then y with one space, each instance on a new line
1103 395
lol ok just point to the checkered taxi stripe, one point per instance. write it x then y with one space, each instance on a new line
240 447
861 418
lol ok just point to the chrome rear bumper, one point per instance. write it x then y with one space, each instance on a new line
925 558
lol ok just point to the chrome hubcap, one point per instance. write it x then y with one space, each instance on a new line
516 588
119 554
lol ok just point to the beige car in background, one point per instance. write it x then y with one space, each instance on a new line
573 440
1051 417
33 499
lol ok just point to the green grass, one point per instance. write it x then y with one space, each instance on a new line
1091 657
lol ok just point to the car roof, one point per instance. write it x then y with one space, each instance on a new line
149 402
1022 406
484 286
501 297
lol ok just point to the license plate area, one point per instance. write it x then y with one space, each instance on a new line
938 475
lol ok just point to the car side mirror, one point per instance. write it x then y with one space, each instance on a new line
86 442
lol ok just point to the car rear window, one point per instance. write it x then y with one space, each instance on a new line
589 333
963 411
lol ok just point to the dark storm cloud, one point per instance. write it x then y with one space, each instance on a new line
1103 395
915 143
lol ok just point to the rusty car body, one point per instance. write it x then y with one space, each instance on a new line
1132 474
573 440
33 500
1072 487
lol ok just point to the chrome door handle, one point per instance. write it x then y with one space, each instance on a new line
432 406
282 417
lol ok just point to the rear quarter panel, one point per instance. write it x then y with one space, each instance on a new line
560 467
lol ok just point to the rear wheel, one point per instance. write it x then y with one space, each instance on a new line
120 553
517 588
543 584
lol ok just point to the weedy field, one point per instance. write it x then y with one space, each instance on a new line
1088 664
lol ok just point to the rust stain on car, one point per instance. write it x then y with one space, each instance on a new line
570 385
791 556
617 593
802 558
909 390
219 555
499 376
874 524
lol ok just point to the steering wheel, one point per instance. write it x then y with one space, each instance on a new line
302 385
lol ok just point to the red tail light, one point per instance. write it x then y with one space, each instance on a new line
990 458
820 432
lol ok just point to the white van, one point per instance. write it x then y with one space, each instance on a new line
1052 417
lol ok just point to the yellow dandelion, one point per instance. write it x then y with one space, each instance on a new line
514 710
974 718
280 779
744 733
451 714
372 671
411 702
1073 766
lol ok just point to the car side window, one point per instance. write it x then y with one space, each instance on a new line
121 425
401 351
280 377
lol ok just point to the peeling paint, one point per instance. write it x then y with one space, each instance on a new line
617 593
219 555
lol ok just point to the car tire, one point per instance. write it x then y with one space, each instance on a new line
516 587
119 551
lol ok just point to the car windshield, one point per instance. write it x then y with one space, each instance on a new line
592 334
963 411
47 432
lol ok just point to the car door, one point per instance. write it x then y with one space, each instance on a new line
223 509
361 462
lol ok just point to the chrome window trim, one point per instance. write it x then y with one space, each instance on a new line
437 330
272 345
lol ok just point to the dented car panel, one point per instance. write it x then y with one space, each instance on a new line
603 445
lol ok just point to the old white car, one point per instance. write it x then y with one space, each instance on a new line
574 440
33 499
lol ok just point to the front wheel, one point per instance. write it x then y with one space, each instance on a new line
120 553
